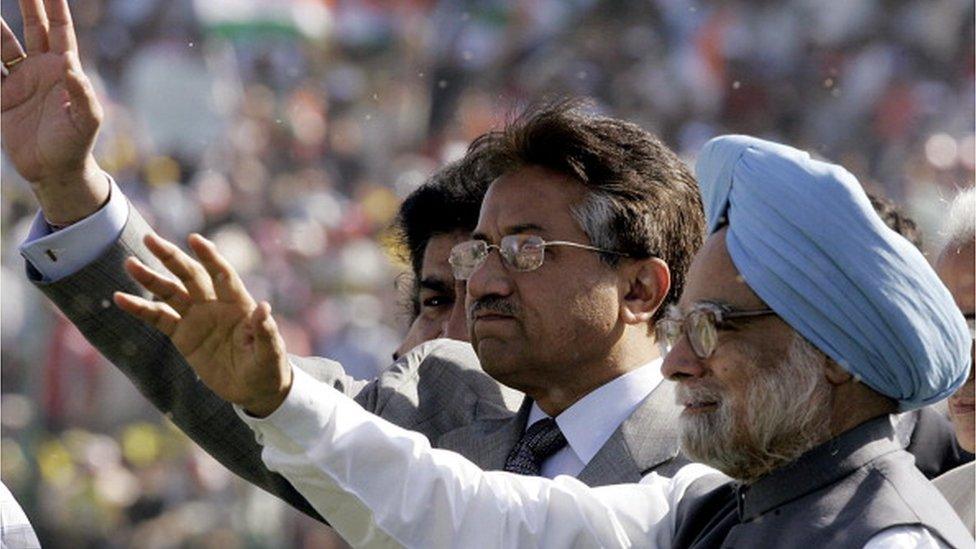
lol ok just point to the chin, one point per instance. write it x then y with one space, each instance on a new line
710 439
497 359
965 433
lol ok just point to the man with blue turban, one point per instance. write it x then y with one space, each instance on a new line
805 323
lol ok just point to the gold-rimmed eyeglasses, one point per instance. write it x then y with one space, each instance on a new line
521 252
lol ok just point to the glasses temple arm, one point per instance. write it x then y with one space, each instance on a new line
582 246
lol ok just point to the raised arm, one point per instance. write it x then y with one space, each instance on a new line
380 485
50 120
51 115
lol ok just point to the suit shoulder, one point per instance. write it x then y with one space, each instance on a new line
449 352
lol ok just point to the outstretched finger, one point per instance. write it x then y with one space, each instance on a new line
9 45
226 282
35 25
158 315
169 291
86 110
193 276
268 345
61 31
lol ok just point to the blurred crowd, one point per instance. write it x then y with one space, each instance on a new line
289 130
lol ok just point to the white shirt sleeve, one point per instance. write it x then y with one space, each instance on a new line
57 254
380 485
905 537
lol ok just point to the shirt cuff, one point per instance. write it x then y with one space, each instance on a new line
52 255
303 415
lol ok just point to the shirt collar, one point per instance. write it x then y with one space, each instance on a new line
591 420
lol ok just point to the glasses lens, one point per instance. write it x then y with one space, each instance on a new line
523 252
667 331
702 333
466 257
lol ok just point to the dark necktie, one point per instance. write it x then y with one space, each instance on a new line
541 440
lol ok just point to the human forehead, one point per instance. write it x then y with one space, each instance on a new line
713 277
531 199
438 251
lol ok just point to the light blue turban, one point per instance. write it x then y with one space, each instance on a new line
805 238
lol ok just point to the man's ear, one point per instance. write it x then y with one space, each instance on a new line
836 375
646 283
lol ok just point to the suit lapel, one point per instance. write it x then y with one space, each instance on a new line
487 443
643 442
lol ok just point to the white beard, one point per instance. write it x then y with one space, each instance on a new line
786 412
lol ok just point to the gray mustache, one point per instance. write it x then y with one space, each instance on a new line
494 305
685 394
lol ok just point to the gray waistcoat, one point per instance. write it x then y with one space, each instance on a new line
840 494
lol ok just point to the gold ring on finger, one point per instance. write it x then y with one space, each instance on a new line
10 64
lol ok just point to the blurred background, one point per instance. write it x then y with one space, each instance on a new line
289 130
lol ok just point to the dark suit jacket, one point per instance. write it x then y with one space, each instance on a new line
933 442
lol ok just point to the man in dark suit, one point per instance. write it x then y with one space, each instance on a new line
595 221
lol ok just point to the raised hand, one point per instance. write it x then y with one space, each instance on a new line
231 342
50 114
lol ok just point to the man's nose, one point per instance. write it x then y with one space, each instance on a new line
681 362
456 324
490 278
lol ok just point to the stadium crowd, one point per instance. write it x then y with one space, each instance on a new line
291 140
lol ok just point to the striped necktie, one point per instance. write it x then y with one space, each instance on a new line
541 440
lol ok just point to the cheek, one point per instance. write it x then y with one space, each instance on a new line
575 306
435 317
420 331
965 393
426 328
732 369
732 362
586 318
596 311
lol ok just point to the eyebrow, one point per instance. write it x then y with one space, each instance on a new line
436 284
514 229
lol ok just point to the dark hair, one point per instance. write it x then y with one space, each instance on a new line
643 200
449 201
896 219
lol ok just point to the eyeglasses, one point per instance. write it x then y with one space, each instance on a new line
522 252
701 325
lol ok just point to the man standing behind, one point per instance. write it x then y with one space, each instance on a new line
434 218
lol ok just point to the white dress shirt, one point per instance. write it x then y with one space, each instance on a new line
592 420
381 486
